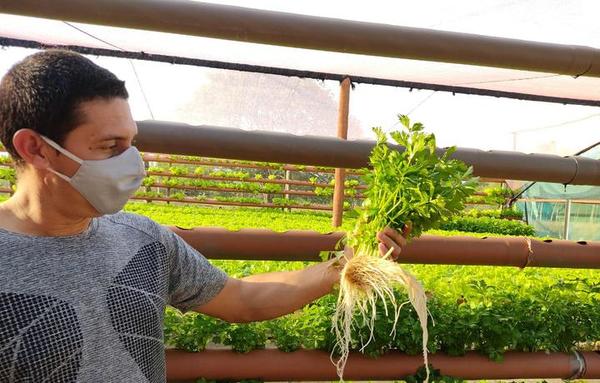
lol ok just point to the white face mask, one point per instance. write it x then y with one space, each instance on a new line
106 184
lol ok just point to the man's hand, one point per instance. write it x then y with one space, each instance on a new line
390 238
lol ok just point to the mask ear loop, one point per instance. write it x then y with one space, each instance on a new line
63 151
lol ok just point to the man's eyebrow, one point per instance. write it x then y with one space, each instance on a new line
112 137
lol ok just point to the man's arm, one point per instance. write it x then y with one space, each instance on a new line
266 296
271 295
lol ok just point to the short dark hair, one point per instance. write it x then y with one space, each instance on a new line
43 93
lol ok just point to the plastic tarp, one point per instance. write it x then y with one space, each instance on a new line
552 22
549 217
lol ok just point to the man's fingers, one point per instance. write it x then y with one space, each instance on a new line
383 249
394 235
348 252
407 229
390 243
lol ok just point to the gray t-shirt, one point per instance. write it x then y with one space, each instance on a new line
89 307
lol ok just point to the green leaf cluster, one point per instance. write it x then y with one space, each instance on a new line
8 174
415 185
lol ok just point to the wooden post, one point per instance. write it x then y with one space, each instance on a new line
147 188
169 179
342 132
287 188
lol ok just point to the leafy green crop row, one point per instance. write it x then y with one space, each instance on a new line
488 309
513 213
235 175
236 180
489 225
180 196
235 218
274 165
244 187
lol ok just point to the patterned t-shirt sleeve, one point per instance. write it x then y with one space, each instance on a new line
193 280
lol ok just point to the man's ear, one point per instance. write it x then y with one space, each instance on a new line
32 148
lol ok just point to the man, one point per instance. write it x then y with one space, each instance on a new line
82 289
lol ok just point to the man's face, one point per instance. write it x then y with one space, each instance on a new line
106 130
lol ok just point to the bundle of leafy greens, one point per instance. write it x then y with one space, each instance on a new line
415 187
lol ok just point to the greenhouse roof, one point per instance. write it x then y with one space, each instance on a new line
549 26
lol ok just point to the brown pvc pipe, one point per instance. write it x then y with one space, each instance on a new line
312 365
259 244
561 253
300 245
286 29
211 141
592 362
